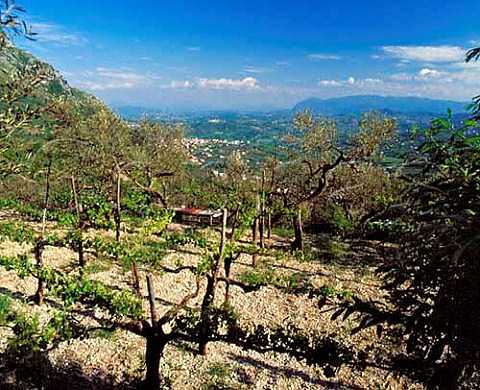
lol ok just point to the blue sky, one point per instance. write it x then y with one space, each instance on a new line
189 54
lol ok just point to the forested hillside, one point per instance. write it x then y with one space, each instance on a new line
16 63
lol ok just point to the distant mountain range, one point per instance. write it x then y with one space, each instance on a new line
389 104
410 106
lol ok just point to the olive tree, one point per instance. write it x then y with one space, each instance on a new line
316 151
158 164
11 23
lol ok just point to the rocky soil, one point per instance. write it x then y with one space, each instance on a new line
107 361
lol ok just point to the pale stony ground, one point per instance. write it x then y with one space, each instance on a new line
226 366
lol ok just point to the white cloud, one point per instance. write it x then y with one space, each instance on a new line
401 77
323 57
422 76
330 83
337 83
464 76
180 84
426 53
248 83
257 69
373 81
109 85
428 72
179 69
52 33
454 81
193 48
120 74
113 79
108 79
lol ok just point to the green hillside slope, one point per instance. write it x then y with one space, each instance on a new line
17 65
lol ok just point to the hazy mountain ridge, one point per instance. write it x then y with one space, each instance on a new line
389 104
347 105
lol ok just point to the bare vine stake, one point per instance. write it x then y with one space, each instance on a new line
210 291
269 221
255 230
270 202
118 210
40 243
136 280
297 226
133 266
81 258
235 220
151 297
230 258
262 213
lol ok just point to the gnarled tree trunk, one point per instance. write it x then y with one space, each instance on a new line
156 342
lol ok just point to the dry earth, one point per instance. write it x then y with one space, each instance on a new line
105 362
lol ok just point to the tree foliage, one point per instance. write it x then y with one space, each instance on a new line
316 152
432 285
11 23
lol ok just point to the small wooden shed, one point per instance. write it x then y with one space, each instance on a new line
194 215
